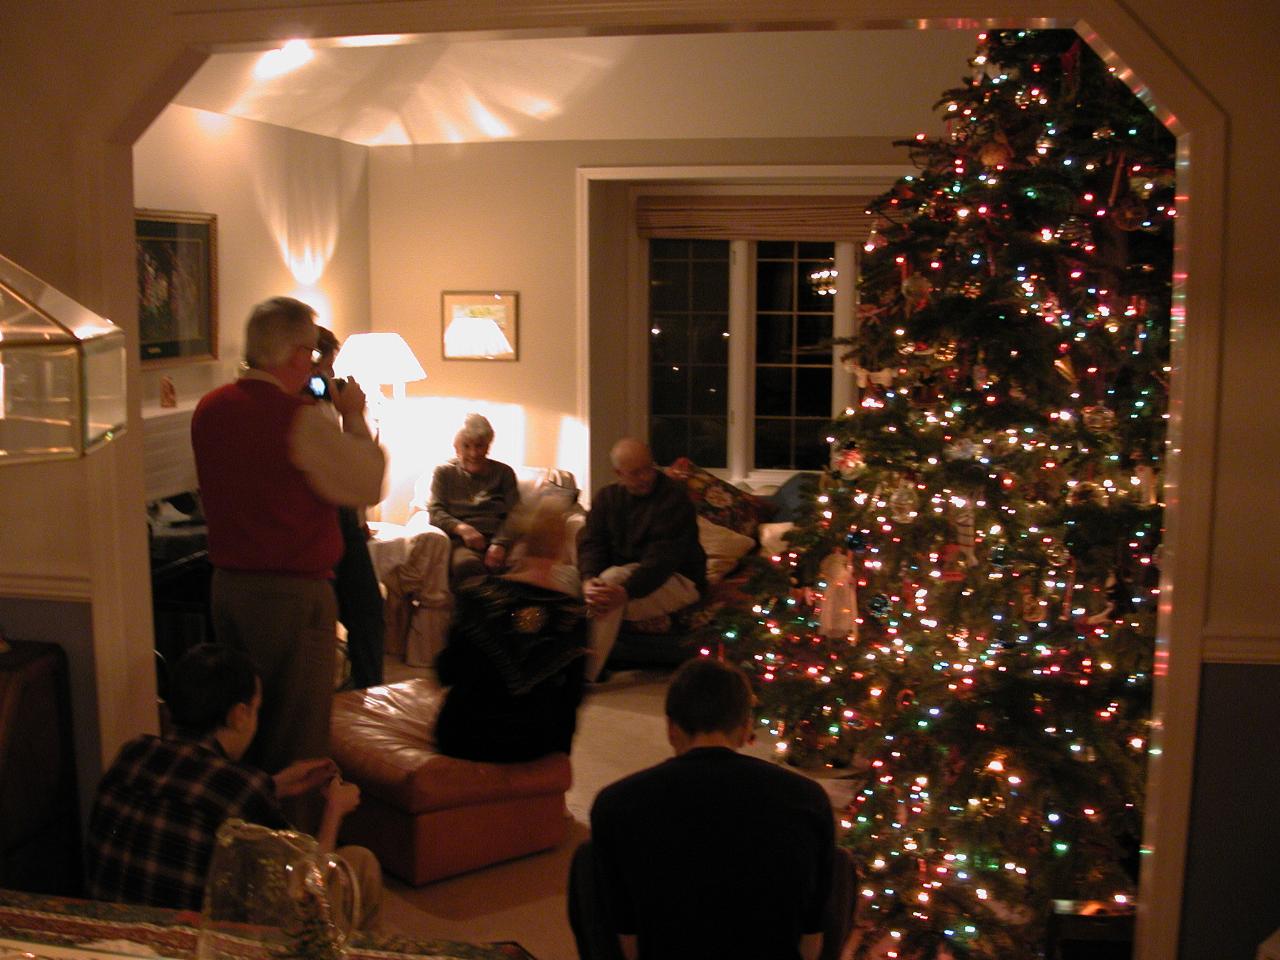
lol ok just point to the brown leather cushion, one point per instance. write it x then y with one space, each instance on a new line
380 740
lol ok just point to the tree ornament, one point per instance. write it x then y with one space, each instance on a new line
1087 493
1073 232
998 556
1098 419
995 153
1034 609
850 464
903 502
1057 554
1129 213
838 615
856 541
954 561
916 288
1145 490
1104 132
965 525
972 289
962 449
946 352
879 606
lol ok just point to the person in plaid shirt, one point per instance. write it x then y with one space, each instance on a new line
159 806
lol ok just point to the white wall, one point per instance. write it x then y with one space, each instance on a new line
502 216
293 219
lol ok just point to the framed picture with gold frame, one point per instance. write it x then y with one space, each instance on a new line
177 286
480 324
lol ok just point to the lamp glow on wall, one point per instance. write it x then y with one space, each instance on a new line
375 359
62 372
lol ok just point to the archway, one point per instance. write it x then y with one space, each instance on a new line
1140 60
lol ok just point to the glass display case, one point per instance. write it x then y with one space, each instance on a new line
62 372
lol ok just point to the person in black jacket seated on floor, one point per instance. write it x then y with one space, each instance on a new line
514 662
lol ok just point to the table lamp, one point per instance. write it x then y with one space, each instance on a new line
377 358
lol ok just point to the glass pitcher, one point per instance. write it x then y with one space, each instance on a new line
271 894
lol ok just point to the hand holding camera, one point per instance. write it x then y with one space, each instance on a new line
348 398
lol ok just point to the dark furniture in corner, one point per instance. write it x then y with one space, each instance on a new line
39 807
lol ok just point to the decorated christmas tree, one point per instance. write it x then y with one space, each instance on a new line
963 624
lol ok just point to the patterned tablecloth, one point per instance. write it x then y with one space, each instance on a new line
64 922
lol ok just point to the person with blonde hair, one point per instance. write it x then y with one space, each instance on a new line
513 664
471 498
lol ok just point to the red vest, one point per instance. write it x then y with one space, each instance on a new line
263 516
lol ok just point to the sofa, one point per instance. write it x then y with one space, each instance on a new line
412 562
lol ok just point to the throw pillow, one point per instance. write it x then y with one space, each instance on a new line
724 548
719 501
771 537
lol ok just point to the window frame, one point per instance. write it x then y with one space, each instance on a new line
740 442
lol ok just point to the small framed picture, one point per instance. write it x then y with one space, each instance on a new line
177 286
480 324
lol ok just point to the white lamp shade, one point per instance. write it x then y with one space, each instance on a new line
377 358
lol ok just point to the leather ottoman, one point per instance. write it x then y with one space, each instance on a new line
429 816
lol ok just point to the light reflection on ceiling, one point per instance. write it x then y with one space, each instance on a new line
445 89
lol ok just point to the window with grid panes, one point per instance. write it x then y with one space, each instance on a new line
793 316
689 350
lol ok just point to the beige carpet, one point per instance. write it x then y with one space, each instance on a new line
620 729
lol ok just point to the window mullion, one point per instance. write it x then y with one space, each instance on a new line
843 389
741 364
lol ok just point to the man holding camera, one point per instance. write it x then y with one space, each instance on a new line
273 470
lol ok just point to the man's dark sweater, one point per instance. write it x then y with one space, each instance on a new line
659 531
714 854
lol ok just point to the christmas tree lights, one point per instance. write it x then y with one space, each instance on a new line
963 621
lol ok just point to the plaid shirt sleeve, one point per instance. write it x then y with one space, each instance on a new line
157 810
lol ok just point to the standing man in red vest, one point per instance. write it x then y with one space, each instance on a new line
273 470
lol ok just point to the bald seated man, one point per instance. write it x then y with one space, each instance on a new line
639 554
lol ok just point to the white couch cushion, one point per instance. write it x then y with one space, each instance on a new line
724 548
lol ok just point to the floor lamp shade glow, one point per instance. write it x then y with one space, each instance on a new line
378 358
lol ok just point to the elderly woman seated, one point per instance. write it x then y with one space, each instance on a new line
514 663
471 498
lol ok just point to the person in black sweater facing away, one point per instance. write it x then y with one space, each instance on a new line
713 853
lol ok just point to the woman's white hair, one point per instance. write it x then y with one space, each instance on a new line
275 329
474 427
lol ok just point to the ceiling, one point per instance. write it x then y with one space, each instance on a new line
429 89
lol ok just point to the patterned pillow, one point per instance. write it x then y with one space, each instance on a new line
719 501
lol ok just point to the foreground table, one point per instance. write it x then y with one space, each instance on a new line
62 922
